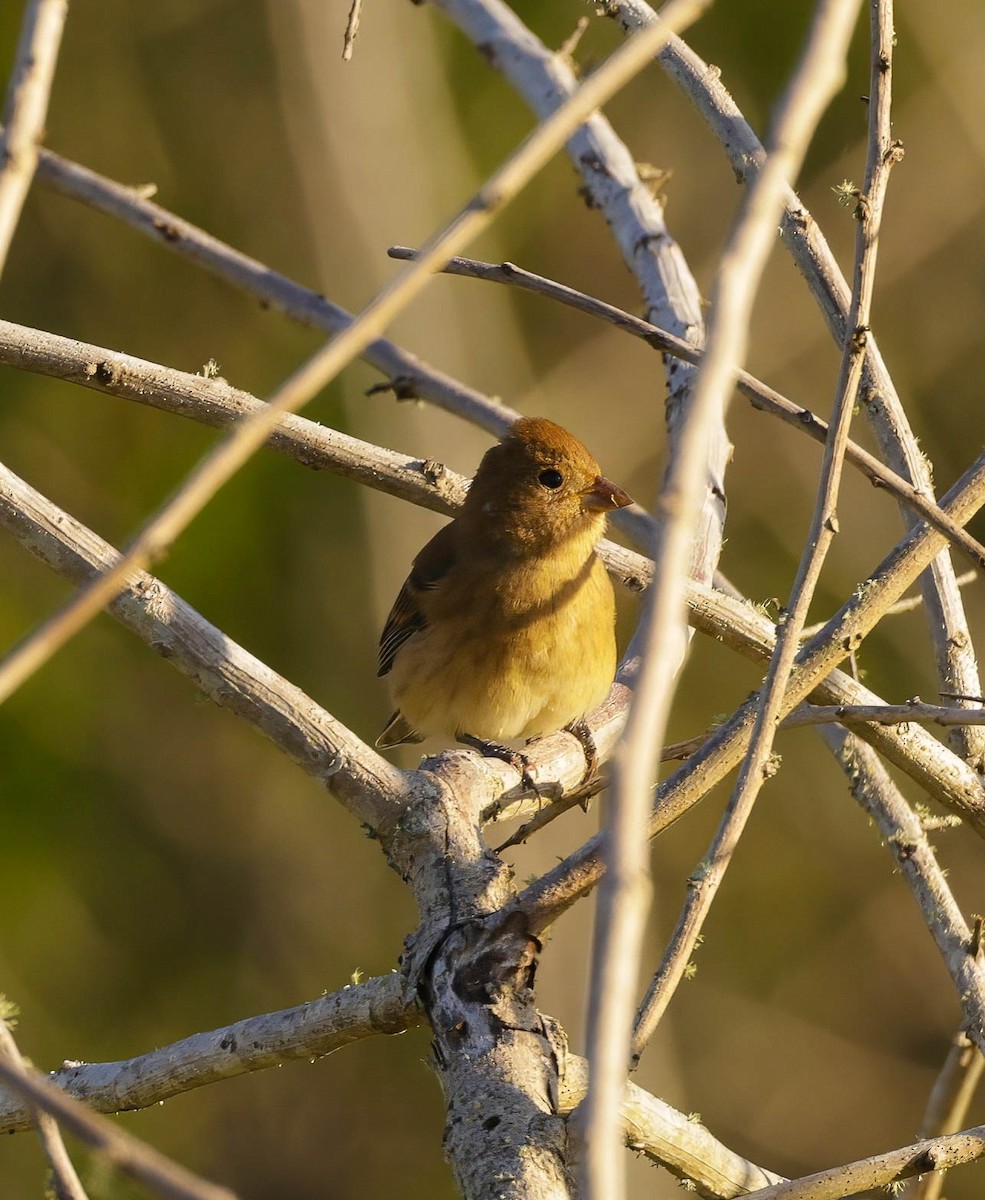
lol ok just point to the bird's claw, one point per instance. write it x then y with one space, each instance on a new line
515 758
582 732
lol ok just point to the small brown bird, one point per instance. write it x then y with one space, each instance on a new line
505 628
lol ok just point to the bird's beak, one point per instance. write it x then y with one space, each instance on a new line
603 496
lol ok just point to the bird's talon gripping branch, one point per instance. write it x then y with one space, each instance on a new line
515 758
581 730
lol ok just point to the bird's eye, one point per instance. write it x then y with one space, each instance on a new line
551 478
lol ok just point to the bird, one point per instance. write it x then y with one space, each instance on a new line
505 628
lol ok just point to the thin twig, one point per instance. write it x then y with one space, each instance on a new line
881 1170
883 714
351 29
756 766
947 1106
580 798
906 605
624 894
761 395
67 1185
121 1150
26 109
220 464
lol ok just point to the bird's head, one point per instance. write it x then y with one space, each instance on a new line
539 488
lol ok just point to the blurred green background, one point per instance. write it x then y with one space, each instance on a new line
162 868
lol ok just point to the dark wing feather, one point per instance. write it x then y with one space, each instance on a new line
406 618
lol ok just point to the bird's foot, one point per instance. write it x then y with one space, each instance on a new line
580 729
515 758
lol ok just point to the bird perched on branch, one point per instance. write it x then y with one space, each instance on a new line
505 628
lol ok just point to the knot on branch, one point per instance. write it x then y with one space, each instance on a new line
481 980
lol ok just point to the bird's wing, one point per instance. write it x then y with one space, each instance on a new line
406 617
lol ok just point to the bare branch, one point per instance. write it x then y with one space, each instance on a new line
907 841
26 109
351 29
624 893
213 402
672 1140
311 1030
756 766
363 781
121 1150
948 1105
883 714
68 1186
881 1170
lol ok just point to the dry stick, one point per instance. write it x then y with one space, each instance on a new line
67 1185
544 900
214 402
667 1137
908 604
905 837
26 109
122 1151
219 465
624 893
306 1031
761 395
881 1170
351 29
883 714
756 768
364 782
410 377
956 663
948 1105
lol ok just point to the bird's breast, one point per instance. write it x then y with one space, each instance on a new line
513 656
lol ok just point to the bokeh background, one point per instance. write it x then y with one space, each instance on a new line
162 868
